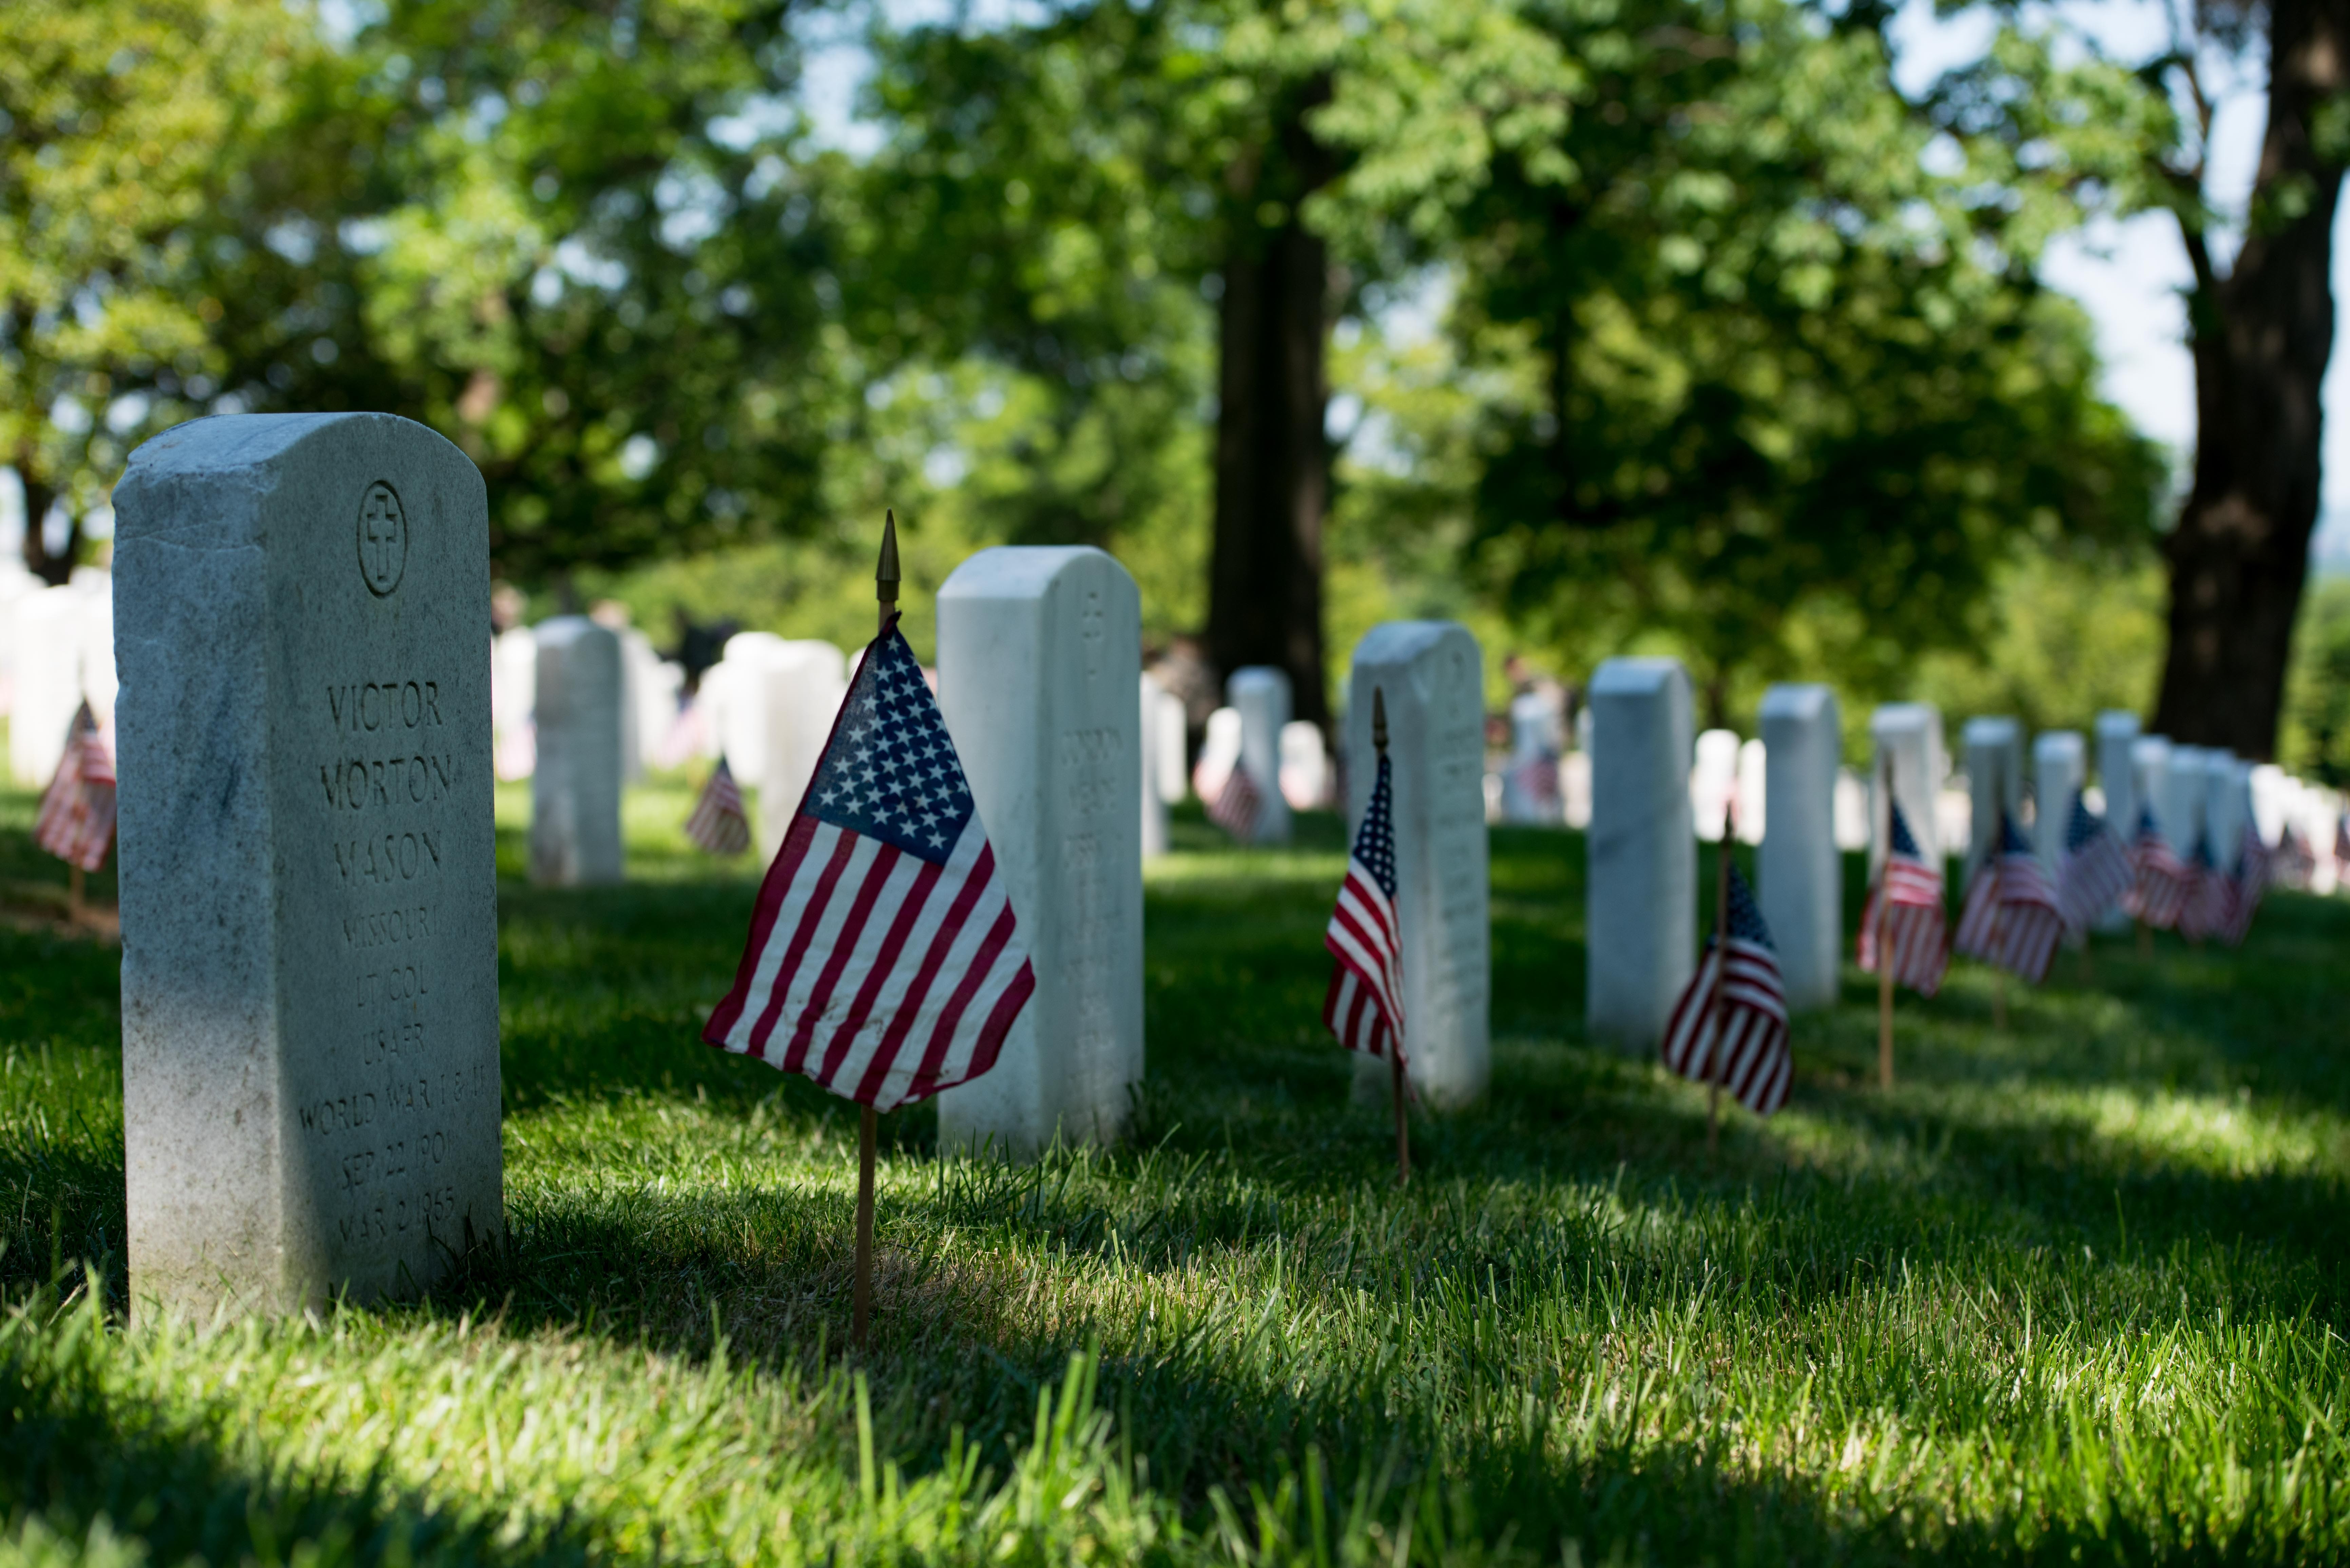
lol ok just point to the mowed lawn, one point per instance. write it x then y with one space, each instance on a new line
2074 1292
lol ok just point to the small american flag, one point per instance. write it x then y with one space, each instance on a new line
1236 805
883 961
77 819
2011 918
2294 864
719 824
2209 905
2252 880
1365 1006
1911 891
2093 871
1741 1045
2157 894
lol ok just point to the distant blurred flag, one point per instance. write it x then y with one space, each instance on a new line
2157 894
2011 918
2093 871
1911 893
77 818
1741 1042
1364 1005
883 961
1237 804
2296 864
719 824
2208 906
2341 841
1536 783
2253 870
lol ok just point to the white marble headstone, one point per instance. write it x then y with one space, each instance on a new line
1171 742
1305 766
310 907
2060 768
803 683
1150 699
575 791
1433 676
2180 803
1799 872
1995 760
1039 657
2227 804
1220 752
2117 733
48 660
1908 736
1640 925
1260 694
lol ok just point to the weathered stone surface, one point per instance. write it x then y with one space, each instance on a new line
310 967
1799 874
1039 660
1433 675
1260 694
575 794
1640 932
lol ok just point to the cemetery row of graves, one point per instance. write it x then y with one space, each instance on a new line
1240 1179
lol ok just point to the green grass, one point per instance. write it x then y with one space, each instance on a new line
2074 1293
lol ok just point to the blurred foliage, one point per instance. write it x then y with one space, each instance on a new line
2316 741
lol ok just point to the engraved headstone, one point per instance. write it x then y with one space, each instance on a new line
575 794
1433 676
1640 930
2060 767
310 913
1150 702
1799 874
1994 752
1260 694
1909 739
805 683
1039 655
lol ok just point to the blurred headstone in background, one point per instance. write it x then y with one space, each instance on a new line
1641 930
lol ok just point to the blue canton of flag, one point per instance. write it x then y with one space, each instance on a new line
884 961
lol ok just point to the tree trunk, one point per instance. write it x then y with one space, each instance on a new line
1273 455
2261 337
38 498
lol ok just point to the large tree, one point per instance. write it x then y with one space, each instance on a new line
2260 331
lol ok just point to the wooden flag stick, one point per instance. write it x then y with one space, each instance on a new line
886 577
1395 1043
1713 1067
1884 941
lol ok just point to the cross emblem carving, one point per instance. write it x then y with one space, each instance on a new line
383 538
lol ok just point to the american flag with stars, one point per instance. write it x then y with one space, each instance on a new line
1237 804
2010 918
77 818
2157 894
2093 871
1741 1044
1364 1005
719 824
884 961
1908 897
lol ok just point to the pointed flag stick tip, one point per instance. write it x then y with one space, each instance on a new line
885 576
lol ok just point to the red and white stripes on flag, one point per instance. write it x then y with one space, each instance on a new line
77 819
2094 870
1908 899
1739 1040
1236 805
2211 903
719 825
2251 880
2157 893
884 961
2010 918
1364 1005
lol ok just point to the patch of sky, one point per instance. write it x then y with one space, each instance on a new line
484 117
71 415
128 412
762 118
579 262
639 455
296 239
693 205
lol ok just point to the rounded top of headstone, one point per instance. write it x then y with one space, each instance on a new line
2059 745
1891 717
2150 747
1636 677
1794 700
1256 678
1990 731
225 443
564 630
2114 721
1401 641
1022 571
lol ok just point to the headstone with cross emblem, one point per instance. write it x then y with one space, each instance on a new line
1040 657
1433 677
310 968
